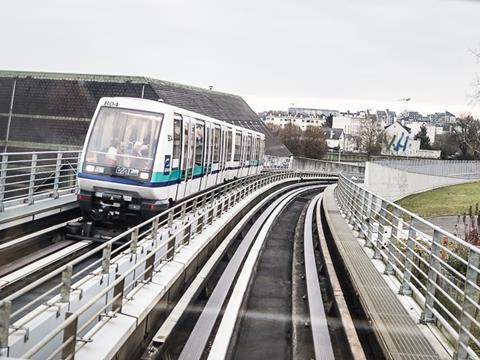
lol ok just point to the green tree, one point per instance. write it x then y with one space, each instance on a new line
424 139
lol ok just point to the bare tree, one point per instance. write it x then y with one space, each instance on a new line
371 137
467 135
314 144
309 143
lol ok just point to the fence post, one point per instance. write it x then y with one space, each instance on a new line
368 238
106 256
405 289
381 230
433 269
70 337
134 241
155 228
3 180
56 181
66 284
470 298
170 218
393 236
118 290
5 311
31 184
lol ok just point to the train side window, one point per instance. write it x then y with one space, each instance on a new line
216 144
199 143
229 144
177 143
185 146
248 149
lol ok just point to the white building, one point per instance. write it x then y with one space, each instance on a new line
282 118
399 141
350 125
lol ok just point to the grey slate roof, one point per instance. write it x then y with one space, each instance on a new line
332 133
56 107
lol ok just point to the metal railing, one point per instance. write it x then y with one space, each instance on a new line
460 169
440 270
151 245
26 177
330 167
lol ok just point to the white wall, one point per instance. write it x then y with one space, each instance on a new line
394 184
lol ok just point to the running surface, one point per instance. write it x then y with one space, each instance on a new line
266 327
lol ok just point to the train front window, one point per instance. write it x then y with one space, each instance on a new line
123 142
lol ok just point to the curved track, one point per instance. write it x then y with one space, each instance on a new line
269 297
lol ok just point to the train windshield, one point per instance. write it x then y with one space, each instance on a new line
123 142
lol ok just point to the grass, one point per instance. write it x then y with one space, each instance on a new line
449 200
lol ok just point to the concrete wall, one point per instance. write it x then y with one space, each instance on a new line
394 184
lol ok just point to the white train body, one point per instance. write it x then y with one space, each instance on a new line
142 155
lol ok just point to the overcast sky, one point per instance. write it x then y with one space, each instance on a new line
347 55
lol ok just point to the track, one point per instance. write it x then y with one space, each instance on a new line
274 294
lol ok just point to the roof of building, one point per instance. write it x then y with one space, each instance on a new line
51 97
332 133
399 123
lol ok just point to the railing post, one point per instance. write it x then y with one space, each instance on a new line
405 288
363 217
66 284
194 207
134 241
368 238
70 337
5 312
56 181
31 184
3 180
382 214
170 218
155 228
393 236
433 269
106 256
118 290
471 296
149 264
183 212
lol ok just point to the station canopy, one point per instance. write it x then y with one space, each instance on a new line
52 111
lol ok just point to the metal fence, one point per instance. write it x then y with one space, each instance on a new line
440 270
330 167
26 177
147 247
460 169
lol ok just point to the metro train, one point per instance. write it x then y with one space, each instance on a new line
141 156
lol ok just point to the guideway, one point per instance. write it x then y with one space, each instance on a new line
252 309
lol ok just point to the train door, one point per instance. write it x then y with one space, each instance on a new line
199 166
228 154
223 155
242 154
185 158
208 157
193 171
216 135
251 163
237 153
177 151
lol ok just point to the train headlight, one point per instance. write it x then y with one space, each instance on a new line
89 168
144 175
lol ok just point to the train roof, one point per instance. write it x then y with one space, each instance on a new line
162 107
